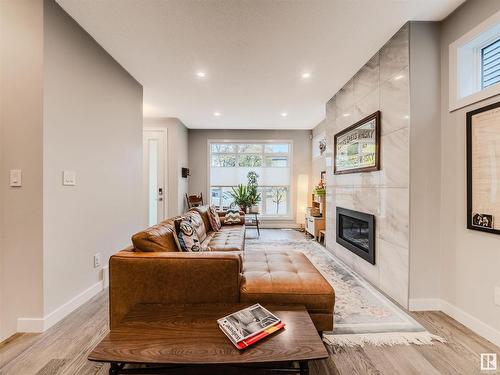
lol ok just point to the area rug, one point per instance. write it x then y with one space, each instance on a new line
363 315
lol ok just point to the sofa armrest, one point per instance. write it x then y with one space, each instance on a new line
171 278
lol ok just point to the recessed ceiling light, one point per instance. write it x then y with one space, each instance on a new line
306 75
284 114
398 77
217 114
346 114
201 74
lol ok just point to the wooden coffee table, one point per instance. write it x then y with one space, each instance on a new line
155 338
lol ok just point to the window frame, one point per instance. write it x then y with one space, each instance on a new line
465 88
290 187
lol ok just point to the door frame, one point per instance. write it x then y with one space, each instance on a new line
165 170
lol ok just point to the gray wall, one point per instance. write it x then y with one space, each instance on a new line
65 105
319 162
198 156
381 84
92 125
177 157
470 260
21 216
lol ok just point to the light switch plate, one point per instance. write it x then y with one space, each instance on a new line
69 178
97 260
16 178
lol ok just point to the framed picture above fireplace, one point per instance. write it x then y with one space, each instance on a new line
357 148
483 169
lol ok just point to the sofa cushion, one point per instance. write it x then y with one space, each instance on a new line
187 236
160 238
281 277
228 239
213 216
198 224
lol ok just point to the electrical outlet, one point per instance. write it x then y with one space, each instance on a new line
97 260
497 295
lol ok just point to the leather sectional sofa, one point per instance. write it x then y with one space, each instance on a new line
154 270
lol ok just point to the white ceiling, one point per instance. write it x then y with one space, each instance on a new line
253 52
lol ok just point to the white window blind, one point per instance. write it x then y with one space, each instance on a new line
230 163
490 64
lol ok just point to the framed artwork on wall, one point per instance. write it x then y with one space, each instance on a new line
357 148
483 169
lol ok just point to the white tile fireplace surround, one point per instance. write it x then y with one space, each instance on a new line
381 84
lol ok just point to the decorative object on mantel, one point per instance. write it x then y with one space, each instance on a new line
483 167
357 148
318 200
323 177
322 146
363 315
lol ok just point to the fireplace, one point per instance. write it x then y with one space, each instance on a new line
356 232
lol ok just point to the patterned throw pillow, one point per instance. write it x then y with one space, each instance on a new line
232 217
197 224
188 239
214 218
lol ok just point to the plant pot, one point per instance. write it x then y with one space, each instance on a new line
254 209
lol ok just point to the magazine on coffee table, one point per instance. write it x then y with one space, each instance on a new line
249 325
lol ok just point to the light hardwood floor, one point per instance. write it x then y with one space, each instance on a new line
63 349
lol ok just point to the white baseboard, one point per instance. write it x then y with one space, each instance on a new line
37 325
105 276
481 328
277 225
471 322
425 304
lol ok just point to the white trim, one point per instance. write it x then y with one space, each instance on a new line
105 276
275 225
481 328
455 99
424 304
471 322
166 186
38 325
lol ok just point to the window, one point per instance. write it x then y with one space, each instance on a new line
475 64
490 64
230 163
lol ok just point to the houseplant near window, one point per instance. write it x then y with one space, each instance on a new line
240 197
253 196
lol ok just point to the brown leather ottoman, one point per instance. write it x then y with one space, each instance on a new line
279 277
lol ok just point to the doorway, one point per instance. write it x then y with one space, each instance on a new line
154 147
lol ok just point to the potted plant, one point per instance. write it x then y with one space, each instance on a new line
319 189
254 196
240 197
